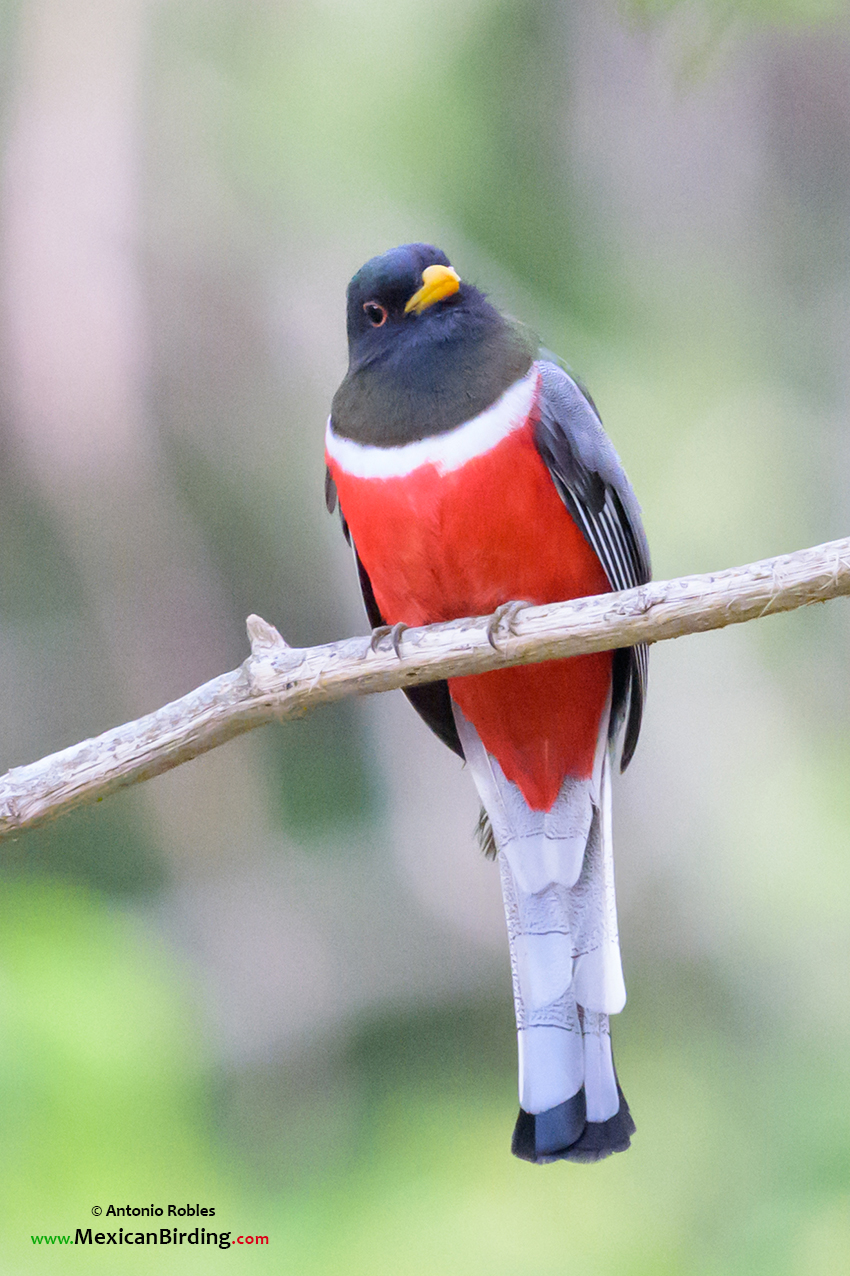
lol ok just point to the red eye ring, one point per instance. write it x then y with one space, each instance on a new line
375 313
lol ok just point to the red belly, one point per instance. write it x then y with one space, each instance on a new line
439 546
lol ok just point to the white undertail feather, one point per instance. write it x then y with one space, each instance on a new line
557 873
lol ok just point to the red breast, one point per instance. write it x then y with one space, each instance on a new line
439 543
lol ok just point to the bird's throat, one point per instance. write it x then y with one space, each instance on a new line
425 388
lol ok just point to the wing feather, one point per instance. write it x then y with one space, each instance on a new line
592 484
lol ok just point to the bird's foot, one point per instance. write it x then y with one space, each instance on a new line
503 619
393 632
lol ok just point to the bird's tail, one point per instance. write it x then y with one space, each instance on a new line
557 875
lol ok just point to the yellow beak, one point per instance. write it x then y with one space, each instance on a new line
438 282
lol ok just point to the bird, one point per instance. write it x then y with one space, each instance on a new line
472 475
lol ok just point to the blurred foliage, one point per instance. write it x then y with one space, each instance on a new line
434 1189
108 849
393 1154
38 579
316 773
99 1070
771 12
493 139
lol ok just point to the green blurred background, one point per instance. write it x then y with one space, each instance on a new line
276 981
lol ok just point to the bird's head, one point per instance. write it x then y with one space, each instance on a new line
426 350
407 296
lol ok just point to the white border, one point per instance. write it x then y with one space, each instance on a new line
447 451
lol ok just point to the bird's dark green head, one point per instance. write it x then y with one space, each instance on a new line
426 350
380 293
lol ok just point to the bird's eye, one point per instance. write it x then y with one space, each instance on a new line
376 314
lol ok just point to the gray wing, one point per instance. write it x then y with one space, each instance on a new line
592 484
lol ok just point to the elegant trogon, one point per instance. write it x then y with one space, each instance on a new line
471 471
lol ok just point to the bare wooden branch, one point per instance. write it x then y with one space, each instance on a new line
278 681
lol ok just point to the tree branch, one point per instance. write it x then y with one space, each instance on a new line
278 681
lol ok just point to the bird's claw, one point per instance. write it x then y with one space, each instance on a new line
503 616
393 632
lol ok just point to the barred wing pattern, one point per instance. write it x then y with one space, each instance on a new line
592 484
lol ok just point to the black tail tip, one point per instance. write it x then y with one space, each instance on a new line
565 1134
